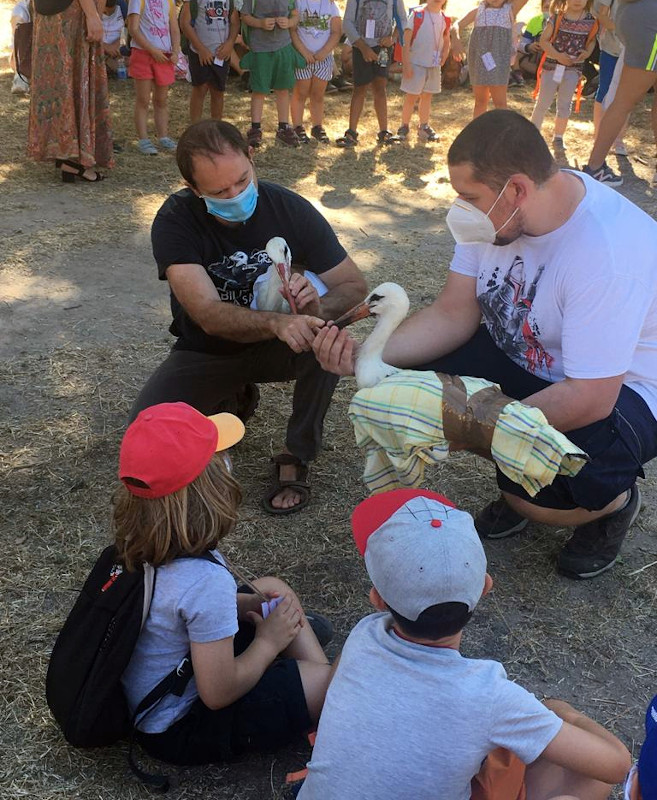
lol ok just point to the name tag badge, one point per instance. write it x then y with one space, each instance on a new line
219 62
369 29
559 72
489 61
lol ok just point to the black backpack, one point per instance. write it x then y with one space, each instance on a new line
94 647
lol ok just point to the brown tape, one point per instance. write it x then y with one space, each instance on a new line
470 422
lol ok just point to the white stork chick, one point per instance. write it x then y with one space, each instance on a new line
266 290
389 304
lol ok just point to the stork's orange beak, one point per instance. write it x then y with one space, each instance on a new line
281 268
361 311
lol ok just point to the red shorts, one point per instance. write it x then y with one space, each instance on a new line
501 777
143 67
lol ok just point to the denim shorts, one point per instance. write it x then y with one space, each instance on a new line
618 445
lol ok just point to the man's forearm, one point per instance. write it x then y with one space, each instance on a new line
237 324
569 405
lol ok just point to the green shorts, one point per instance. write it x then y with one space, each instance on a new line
273 70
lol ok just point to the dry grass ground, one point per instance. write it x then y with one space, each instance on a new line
83 324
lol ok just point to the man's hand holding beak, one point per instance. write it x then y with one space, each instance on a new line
296 330
335 350
304 294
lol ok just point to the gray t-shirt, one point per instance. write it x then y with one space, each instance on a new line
212 23
406 720
608 40
260 40
426 50
194 601
374 17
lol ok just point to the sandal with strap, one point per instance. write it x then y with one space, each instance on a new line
318 132
350 139
300 485
387 137
302 136
69 177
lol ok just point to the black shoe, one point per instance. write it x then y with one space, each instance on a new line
322 626
498 520
594 547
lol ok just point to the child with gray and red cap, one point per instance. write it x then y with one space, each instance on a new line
407 716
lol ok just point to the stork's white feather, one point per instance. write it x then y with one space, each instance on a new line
266 289
389 304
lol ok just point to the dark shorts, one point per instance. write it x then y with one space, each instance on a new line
364 72
272 715
212 74
618 445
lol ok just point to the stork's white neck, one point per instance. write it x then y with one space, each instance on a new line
370 366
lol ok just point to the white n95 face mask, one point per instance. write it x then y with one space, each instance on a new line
470 225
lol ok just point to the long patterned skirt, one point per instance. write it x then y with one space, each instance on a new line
69 97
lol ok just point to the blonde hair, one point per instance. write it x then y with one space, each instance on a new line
188 522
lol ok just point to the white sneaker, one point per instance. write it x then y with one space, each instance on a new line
19 85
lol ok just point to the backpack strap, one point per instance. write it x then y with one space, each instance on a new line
397 19
418 19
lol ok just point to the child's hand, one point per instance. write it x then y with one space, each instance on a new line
175 55
283 22
310 58
368 53
94 28
407 71
565 60
281 626
158 55
205 55
387 41
534 47
223 51
268 23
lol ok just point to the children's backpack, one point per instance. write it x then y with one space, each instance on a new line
578 92
93 649
193 10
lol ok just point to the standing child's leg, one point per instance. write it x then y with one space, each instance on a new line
285 134
356 105
565 93
143 90
481 95
380 97
316 104
196 101
300 94
498 95
216 102
425 133
407 112
544 100
161 115
254 134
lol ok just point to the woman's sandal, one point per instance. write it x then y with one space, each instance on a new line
300 485
350 139
317 132
69 177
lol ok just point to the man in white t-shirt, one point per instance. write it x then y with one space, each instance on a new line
563 273
407 716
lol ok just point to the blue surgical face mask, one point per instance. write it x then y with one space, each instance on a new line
234 209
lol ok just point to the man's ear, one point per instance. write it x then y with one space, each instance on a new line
193 188
522 186
377 601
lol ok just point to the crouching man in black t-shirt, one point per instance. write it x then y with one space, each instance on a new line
209 243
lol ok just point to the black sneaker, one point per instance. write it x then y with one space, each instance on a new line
322 627
604 174
498 520
594 547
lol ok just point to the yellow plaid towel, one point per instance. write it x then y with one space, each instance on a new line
399 425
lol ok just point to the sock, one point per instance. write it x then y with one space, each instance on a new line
282 126
256 125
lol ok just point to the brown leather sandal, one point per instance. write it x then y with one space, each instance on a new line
300 484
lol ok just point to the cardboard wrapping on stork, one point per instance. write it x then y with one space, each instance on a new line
409 420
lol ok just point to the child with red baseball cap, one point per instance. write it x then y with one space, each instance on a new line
260 674
407 716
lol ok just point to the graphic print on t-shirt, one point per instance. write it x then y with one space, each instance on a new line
506 308
235 275
376 10
216 10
